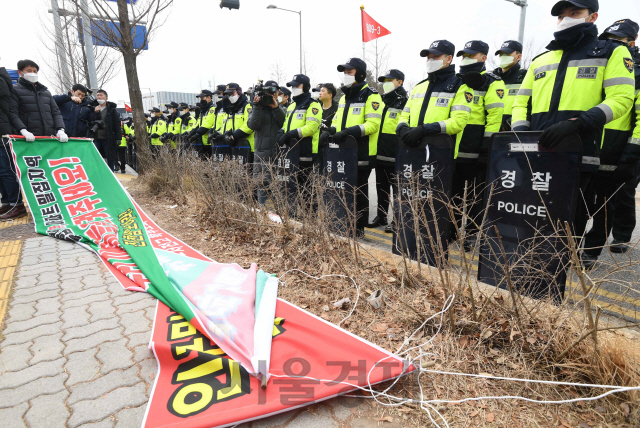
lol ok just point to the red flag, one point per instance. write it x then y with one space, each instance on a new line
371 30
127 108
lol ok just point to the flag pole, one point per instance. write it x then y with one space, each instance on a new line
362 24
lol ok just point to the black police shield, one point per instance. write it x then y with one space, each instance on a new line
424 189
220 150
288 166
340 167
535 190
241 153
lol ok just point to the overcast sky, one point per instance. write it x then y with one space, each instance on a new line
201 42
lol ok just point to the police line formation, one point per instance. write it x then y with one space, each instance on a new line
585 84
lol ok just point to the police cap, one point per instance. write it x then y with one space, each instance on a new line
622 28
173 104
146 114
439 47
299 79
155 110
473 47
220 89
232 87
205 93
509 47
318 87
392 74
285 91
356 63
583 4
183 106
272 83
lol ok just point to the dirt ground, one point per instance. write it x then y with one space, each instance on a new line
463 353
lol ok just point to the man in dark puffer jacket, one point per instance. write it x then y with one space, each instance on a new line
38 113
12 205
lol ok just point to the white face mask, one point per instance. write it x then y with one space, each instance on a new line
102 101
506 61
568 22
182 113
296 91
388 87
347 80
31 77
468 61
234 98
315 95
434 65
171 110
279 100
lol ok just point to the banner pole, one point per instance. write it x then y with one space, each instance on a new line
362 25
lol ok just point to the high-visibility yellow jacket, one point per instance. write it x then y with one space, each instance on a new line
237 117
512 79
158 126
305 116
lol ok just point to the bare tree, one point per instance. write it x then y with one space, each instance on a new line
278 72
71 42
118 28
378 62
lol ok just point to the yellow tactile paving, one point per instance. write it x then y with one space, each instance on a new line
9 254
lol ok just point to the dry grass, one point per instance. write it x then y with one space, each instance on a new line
487 335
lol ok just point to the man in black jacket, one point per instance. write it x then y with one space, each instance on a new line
105 130
265 120
75 111
38 113
395 97
12 205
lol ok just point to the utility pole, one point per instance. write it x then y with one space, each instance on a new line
60 51
523 16
88 45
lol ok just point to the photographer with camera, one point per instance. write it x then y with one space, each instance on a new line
265 120
105 128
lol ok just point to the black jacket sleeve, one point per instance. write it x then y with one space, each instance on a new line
57 117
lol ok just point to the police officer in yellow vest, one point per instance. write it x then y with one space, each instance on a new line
183 124
302 126
127 133
200 134
235 129
221 102
171 135
157 128
395 98
512 75
485 120
359 115
577 87
618 166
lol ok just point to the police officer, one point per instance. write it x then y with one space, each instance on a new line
359 115
512 75
127 133
235 128
315 92
284 98
183 124
485 119
214 123
172 115
157 128
618 165
577 87
199 136
395 98
302 126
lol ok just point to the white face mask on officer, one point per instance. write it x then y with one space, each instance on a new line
280 100
315 95
234 98
506 61
468 61
347 80
434 65
296 91
568 22
31 77
388 87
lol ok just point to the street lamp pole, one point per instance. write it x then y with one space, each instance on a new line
300 15
523 16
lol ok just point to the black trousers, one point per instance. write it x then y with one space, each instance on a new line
471 174
384 184
362 197
602 196
122 157
624 211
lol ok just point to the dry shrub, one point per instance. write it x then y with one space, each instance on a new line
487 330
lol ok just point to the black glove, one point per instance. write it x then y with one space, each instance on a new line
228 138
195 139
557 133
338 137
625 172
238 135
281 138
154 135
215 134
291 135
402 129
324 139
185 135
413 137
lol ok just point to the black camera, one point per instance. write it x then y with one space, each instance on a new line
267 93
96 124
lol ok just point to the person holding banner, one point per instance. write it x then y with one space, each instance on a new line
619 164
395 97
512 75
577 87
359 115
